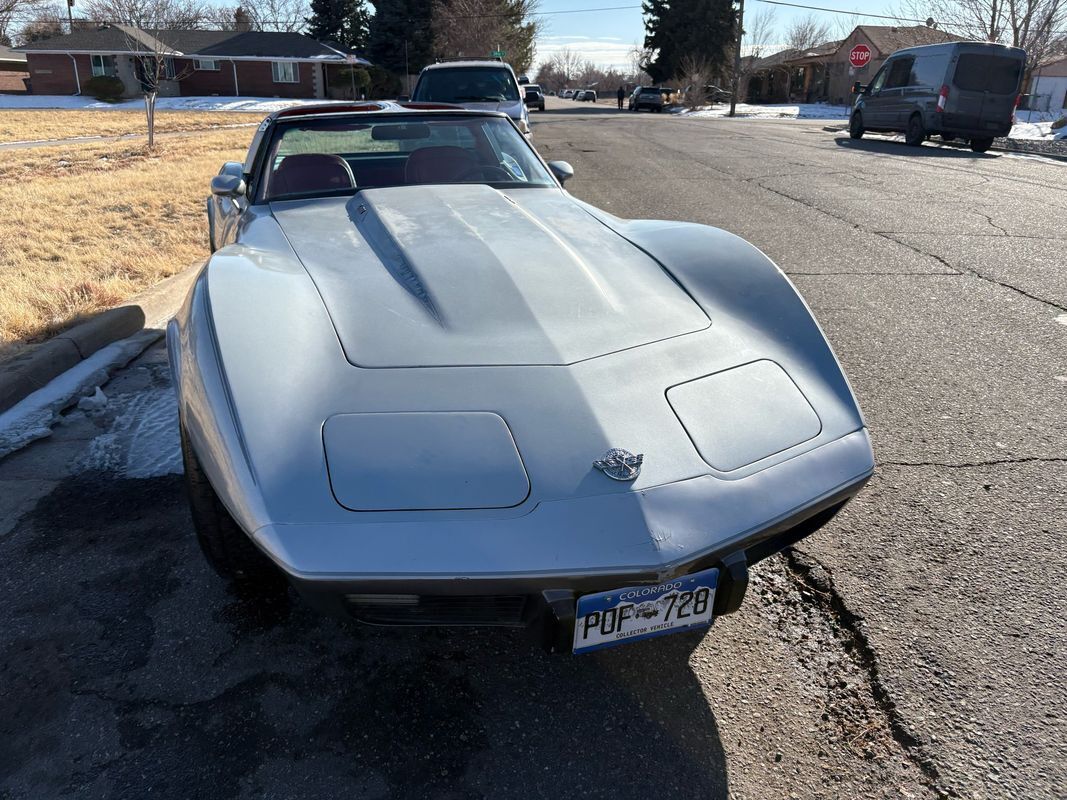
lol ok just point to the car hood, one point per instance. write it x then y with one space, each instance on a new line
468 275
513 108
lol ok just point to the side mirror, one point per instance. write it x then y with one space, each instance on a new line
858 88
228 185
404 98
562 170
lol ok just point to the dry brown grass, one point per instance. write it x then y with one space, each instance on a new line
31 125
85 227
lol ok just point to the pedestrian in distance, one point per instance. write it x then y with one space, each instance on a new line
619 95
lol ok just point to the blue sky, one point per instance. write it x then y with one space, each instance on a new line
607 37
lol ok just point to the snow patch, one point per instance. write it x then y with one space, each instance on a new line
33 416
257 105
771 111
143 439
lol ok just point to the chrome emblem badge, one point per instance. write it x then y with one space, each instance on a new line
620 465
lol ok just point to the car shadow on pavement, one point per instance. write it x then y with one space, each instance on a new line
899 148
131 670
577 109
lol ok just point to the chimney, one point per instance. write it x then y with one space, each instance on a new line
242 22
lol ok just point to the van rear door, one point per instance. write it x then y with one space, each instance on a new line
984 89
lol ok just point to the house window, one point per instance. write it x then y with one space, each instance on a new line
104 65
284 72
206 64
169 71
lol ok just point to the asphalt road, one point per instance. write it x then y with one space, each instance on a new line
913 648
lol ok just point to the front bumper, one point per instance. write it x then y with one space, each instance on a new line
560 550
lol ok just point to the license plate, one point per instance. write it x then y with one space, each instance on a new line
625 615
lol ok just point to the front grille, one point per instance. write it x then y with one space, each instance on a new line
413 609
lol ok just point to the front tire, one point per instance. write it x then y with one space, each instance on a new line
982 144
226 547
855 126
916 133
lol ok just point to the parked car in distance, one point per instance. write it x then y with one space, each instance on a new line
716 94
566 94
586 96
649 98
485 85
967 90
535 98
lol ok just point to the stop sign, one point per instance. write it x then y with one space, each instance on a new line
859 56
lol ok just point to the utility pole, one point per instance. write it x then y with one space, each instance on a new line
70 14
737 57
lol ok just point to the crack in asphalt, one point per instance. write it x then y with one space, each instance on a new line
989 219
869 274
967 464
915 249
815 577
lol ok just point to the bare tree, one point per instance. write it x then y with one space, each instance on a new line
478 27
804 33
150 14
287 16
1034 25
154 64
16 15
756 42
844 24
696 74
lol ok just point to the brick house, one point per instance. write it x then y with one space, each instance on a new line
1048 85
228 63
883 40
13 73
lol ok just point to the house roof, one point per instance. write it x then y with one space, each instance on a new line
890 38
7 54
210 44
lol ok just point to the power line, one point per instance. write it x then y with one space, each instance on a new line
840 11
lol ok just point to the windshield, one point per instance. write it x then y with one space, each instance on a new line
466 85
979 72
341 156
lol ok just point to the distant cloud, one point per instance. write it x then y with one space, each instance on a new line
604 51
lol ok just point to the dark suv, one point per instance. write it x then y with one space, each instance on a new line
959 89
650 97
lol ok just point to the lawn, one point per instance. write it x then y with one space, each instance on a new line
84 227
26 126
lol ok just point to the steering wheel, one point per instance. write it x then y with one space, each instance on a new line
485 173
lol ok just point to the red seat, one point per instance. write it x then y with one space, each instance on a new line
439 165
304 173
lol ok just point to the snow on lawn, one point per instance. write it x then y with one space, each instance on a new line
259 105
772 111
1029 125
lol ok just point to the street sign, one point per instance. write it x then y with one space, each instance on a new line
498 54
859 56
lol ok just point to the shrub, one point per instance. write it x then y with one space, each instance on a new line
104 87
1060 123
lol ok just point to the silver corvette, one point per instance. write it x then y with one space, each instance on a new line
424 385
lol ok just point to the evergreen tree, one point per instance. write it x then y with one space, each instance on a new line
399 26
345 22
695 29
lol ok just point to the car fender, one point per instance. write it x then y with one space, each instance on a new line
733 280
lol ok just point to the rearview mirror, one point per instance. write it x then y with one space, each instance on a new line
228 185
562 170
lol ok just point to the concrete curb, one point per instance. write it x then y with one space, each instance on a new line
34 368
